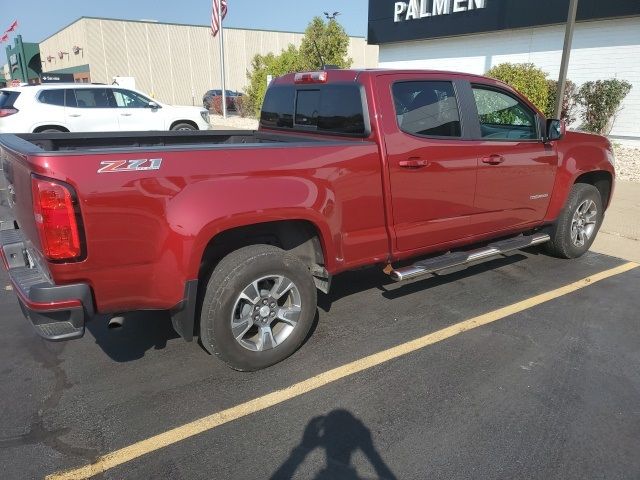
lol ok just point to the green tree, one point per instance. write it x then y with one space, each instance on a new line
288 61
526 78
331 41
332 44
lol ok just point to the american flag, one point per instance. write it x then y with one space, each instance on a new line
216 23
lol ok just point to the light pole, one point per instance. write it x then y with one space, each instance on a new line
566 53
331 16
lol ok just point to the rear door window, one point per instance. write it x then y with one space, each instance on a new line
427 108
94 98
7 98
335 109
52 97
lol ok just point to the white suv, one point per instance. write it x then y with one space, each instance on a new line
78 107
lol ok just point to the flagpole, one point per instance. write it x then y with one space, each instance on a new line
224 87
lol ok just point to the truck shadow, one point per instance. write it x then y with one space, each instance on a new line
341 435
143 331
350 283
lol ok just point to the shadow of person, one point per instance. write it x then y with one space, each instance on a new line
341 435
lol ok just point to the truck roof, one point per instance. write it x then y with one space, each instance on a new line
352 75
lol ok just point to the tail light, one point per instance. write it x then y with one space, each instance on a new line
56 220
5 112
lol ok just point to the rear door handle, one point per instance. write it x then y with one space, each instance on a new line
414 163
493 159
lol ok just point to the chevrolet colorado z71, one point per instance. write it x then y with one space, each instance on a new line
233 232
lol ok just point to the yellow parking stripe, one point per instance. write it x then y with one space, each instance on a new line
210 422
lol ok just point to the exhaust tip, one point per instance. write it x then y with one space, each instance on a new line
116 323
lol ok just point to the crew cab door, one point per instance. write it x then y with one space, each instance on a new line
516 170
431 165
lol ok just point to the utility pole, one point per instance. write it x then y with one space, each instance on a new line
566 53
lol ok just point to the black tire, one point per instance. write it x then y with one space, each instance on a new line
230 278
561 244
183 126
52 130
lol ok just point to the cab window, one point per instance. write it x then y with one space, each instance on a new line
52 97
93 98
129 99
333 109
504 117
427 108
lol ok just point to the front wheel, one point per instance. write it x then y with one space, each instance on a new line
258 308
576 227
183 127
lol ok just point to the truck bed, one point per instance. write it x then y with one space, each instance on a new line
91 142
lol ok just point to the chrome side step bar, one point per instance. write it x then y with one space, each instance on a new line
456 259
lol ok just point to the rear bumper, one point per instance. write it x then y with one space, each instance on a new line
57 312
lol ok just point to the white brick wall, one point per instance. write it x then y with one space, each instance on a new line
601 50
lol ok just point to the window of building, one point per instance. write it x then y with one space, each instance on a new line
503 117
427 108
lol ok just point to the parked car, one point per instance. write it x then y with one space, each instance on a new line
348 169
91 108
207 100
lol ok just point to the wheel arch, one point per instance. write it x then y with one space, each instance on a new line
41 128
189 122
600 179
301 237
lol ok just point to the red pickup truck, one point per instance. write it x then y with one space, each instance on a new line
233 232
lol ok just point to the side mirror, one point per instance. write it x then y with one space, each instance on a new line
153 105
555 129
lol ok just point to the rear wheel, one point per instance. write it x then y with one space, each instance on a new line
51 130
576 227
183 127
258 308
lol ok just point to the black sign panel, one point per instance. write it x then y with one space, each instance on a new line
57 78
424 19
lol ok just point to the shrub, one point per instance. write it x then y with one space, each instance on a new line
526 78
216 105
288 61
242 106
601 102
568 101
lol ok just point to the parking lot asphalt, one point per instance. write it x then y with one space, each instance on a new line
550 392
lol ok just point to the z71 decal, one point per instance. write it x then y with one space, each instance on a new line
111 166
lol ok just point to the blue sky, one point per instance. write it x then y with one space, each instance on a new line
40 18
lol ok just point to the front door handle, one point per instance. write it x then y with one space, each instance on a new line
414 163
75 115
493 159
125 114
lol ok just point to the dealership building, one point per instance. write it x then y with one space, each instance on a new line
174 63
474 35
